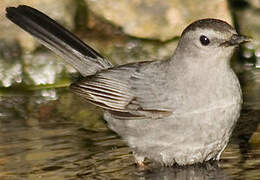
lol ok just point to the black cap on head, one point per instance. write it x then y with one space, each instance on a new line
214 24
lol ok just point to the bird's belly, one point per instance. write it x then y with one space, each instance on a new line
182 138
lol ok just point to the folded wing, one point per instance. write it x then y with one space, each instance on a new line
128 91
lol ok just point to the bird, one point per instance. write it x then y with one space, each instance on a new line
179 110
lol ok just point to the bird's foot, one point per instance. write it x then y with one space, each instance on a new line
140 163
139 160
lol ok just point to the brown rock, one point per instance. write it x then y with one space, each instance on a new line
155 19
62 11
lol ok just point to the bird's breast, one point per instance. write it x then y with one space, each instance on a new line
204 92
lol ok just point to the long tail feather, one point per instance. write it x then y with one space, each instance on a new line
51 34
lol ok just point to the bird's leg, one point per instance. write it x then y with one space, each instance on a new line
219 154
139 160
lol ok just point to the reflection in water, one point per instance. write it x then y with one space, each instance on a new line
205 171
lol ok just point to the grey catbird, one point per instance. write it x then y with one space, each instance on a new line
179 110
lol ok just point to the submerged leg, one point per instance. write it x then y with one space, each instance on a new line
139 160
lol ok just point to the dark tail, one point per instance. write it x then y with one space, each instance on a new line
51 34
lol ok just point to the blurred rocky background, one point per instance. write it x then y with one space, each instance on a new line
124 31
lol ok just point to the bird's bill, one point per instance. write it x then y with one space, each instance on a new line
236 40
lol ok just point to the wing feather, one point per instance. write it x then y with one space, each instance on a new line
109 89
127 91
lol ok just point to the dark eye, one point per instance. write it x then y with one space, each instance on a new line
204 40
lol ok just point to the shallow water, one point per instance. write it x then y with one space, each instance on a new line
52 134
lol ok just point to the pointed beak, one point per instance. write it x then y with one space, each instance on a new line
236 40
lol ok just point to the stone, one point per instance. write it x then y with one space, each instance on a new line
44 68
62 11
155 19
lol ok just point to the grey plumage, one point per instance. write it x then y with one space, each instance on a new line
179 110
